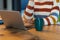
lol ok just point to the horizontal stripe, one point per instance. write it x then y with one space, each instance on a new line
42 10
28 17
45 9
48 20
53 19
44 3
28 14
56 7
42 13
31 3
43 6
43 0
55 11
29 7
45 21
29 11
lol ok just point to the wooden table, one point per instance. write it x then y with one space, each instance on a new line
51 32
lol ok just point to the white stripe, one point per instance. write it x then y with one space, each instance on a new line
42 13
31 3
28 17
45 21
54 17
50 19
43 6
29 11
55 11
43 0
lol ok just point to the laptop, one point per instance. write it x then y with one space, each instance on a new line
12 19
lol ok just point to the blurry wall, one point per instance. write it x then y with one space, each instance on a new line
9 4
1 4
24 4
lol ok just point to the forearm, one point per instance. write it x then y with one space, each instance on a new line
53 17
28 13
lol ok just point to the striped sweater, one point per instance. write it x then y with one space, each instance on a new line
46 9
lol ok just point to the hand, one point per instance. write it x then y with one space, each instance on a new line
27 22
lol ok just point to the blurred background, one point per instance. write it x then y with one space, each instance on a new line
10 5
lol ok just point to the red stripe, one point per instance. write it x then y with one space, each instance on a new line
29 7
48 21
56 7
44 3
42 10
46 9
28 14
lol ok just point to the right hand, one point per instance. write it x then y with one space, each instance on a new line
27 23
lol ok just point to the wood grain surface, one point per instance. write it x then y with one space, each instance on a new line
51 32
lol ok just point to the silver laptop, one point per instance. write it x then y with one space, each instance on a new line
12 19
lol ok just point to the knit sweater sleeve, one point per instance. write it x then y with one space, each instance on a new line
55 9
53 17
55 12
28 13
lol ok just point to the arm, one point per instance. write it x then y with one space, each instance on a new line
53 17
28 14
